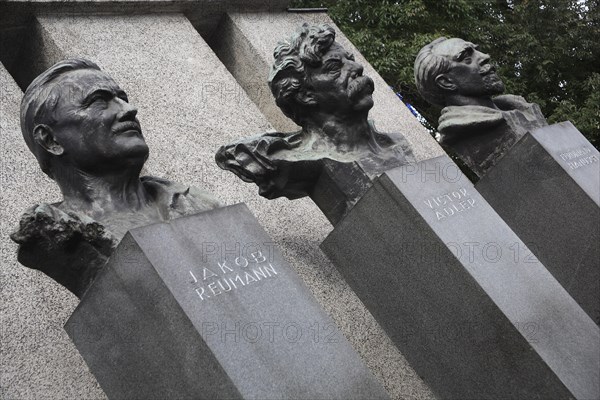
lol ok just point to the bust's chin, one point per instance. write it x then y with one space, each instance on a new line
135 157
364 104
493 84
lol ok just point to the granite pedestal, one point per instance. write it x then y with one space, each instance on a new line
465 301
205 307
547 189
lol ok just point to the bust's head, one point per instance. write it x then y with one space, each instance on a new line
75 117
313 72
446 69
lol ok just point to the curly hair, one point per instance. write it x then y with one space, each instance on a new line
287 78
39 102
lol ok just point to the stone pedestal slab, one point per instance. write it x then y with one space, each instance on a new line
466 302
206 307
547 188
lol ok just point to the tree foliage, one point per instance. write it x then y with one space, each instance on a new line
547 51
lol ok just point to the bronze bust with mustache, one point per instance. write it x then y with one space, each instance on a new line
479 128
320 86
85 135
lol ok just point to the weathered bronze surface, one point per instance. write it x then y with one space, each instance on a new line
79 124
454 74
320 86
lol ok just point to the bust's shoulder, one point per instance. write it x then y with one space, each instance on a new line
67 246
46 222
265 144
457 121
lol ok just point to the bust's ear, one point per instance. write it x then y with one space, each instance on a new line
44 137
444 82
306 98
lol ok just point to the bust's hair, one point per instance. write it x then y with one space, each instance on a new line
427 67
39 102
305 48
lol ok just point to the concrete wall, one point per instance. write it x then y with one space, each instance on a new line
189 104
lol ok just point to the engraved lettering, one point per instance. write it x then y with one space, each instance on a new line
200 292
249 278
238 277
270 269
229 288
258 257
579 157
451 203
206 272
259 273
223 266
241 262
213 287
233 283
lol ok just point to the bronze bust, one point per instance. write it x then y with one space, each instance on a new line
85 135
480 128
320 86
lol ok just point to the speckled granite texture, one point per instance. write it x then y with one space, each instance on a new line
189 105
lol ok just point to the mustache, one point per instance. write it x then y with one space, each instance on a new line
362 85
487 69
127 126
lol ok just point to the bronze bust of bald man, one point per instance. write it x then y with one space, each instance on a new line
85 136
479 127
320 86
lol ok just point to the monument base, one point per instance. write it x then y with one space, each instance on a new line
547 189
465 301
205 307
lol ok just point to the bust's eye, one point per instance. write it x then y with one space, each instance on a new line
465 55
100 96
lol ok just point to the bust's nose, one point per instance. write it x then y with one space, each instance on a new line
128 111
484 58
356 70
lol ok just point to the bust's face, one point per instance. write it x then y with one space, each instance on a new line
337 85
471 70
96 126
